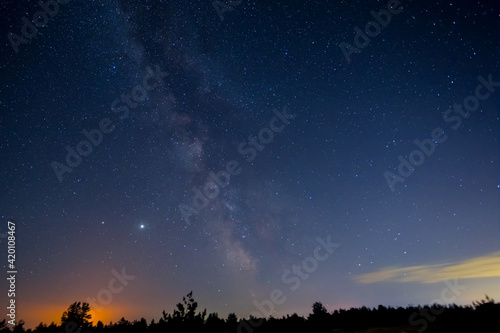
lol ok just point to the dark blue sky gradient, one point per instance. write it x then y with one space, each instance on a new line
322 175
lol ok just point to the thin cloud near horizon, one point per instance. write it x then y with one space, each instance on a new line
478 267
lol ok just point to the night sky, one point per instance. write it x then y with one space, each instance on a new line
181 147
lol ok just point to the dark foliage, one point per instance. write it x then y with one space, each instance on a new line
481 316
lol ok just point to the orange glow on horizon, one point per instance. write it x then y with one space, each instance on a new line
33 314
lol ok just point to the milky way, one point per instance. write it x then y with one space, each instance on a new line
207 149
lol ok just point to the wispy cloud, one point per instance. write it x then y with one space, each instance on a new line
479 267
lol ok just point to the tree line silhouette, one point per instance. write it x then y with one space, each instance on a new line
481 316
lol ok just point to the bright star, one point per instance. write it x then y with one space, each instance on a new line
142 226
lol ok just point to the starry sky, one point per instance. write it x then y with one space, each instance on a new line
150 148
